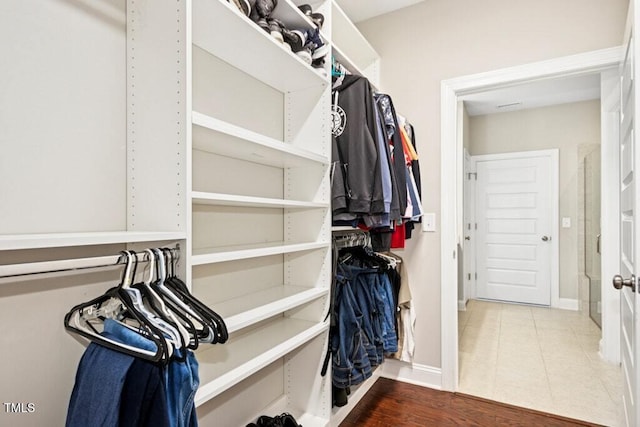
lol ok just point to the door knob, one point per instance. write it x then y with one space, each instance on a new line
619 282
546 238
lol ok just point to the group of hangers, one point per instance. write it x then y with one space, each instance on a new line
160 308
338 71
352 239
358 243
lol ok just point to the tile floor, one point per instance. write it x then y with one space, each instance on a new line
539 358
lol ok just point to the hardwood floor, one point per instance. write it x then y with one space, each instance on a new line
393 403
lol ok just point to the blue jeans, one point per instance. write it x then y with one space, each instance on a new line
181 378
364 283
388 308
350 364
102 373
182 383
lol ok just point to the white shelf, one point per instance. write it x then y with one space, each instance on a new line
234 253
249 146
57 240
220 29
250 309
338 414
291 17
350 39
223 366
342 58
201 198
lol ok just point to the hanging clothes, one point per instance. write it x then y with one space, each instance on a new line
364 321
139 369
354 131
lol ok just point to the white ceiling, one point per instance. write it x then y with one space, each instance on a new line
534 95
361 10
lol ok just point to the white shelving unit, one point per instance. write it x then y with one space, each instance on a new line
259 205
172 123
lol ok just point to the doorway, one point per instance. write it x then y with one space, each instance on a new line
451 191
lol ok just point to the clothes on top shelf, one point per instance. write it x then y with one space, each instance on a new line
376 176
139 369
366 319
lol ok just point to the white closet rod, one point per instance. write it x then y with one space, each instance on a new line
66 265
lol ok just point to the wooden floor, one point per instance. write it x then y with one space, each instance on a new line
393 403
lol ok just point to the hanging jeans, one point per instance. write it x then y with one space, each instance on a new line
388 308
100 381
363 282
182 383
181 379
350 364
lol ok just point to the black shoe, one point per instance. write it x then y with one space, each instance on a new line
264 421
295 38
305 53
340 397
265 8
262 23
317 19
275 29
287 420
305 9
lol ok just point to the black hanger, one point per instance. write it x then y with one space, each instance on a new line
119 295
170 300
181 289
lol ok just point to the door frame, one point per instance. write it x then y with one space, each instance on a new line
468 290
554 265
452 167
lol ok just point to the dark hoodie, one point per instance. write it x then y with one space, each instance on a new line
356 185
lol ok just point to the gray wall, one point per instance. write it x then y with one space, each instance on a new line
441 39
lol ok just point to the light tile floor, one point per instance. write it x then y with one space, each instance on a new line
539 358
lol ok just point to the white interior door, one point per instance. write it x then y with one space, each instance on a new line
629 234
514 211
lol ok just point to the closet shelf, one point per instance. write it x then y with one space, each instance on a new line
234 253
291 17
350 39
201 198
248 145
222 30
338 414
342 58
223 366
57 240
250 309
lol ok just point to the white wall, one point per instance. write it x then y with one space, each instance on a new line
565 127
441 39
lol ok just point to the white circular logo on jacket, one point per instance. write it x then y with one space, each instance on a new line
338 120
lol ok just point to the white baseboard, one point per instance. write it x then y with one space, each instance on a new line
568 304
462 306
422 375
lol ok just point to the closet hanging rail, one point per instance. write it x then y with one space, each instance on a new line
66 265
